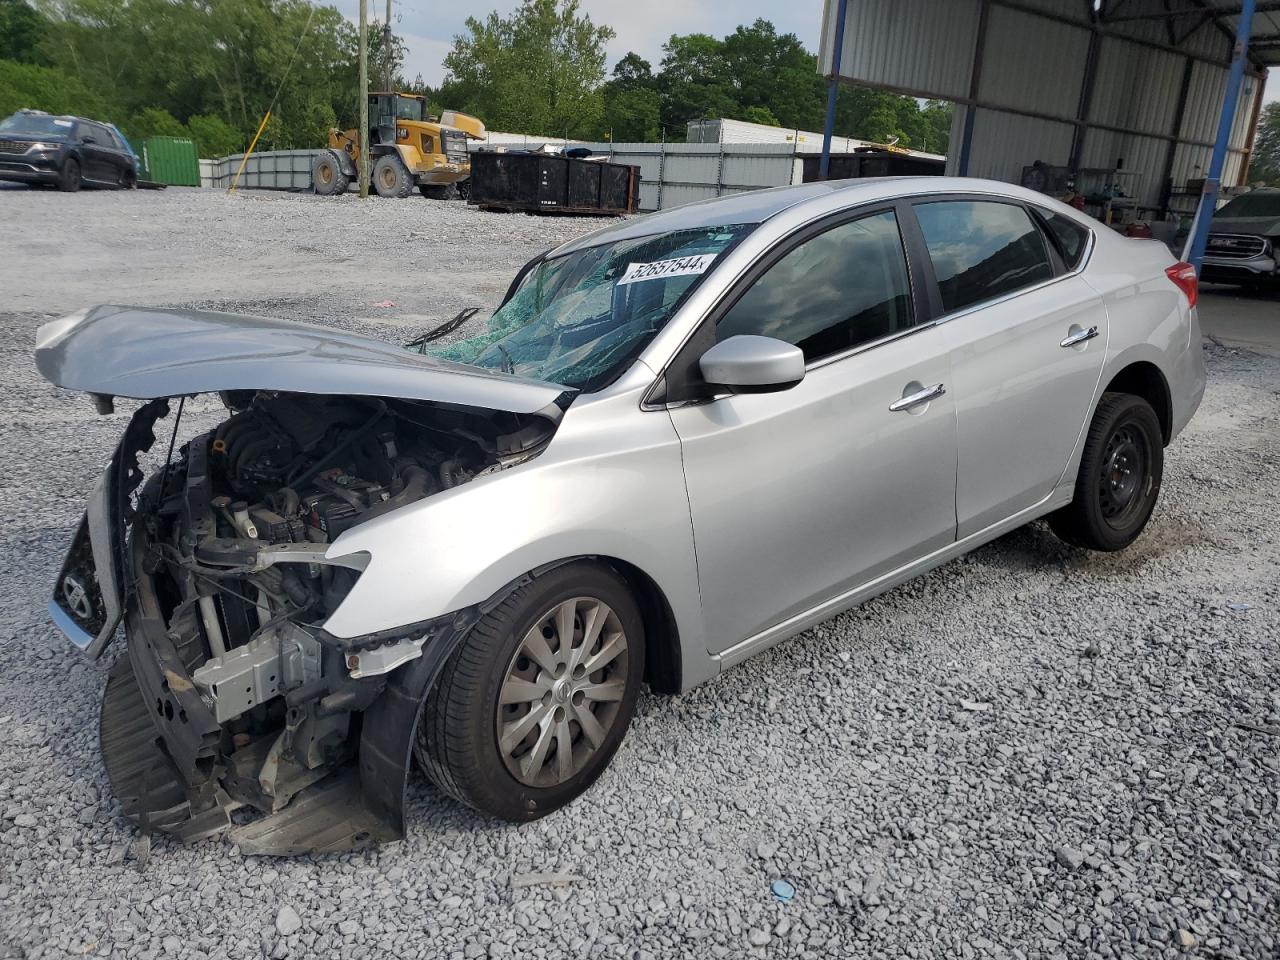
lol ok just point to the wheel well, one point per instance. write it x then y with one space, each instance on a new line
1145 380
662 637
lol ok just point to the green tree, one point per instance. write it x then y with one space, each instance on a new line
154 122
632 105
1265 166
539 71
215 137
26 86
22 30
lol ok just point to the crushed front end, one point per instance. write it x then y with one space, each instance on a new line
233 710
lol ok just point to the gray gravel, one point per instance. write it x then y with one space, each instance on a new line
1031 752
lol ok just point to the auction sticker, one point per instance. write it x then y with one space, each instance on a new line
679 267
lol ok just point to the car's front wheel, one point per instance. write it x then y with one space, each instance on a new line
535 702
1119 479
69 177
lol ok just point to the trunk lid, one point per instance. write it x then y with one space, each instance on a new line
145 353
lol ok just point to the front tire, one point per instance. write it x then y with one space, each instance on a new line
533 705
70 177
327 176
391 177
1120 474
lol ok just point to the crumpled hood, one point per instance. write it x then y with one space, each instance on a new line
145 353
1252 226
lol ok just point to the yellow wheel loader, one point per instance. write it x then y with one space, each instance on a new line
407 149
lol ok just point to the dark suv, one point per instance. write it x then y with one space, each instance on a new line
1244 241
64 151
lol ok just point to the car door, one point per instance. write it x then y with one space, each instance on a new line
95 149
1027 337
797 496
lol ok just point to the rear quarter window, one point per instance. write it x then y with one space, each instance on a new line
1071 238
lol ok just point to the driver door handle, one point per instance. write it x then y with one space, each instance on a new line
917 398
1080 336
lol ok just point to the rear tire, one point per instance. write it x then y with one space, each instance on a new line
1119 479
70 177
327 176
521 722
391 177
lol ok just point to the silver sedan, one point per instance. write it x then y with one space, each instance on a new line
680 440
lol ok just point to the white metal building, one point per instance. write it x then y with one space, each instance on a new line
804 141
1091 85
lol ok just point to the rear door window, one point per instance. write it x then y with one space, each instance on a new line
982 250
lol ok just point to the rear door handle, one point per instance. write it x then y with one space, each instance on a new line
917 398
1080 336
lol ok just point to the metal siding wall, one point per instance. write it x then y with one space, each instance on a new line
1102 149
1030 63
1004 143
1136 87
1206 41
884 45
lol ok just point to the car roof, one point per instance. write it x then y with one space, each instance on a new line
757 206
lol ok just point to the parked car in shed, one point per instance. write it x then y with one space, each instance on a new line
681 440
1244 241
66 152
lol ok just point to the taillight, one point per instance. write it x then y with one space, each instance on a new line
1184 278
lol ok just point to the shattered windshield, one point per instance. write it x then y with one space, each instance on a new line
36 125
1258 204
581 318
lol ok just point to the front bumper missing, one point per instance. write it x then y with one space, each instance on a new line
174 767
167 769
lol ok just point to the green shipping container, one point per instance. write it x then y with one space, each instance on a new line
171 160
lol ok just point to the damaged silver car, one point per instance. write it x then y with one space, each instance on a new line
679 441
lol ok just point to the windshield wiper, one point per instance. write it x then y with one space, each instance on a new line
507 365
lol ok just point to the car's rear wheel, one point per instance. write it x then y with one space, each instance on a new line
533 705
69 177
1119 479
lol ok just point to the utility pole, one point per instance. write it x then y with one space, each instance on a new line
364 99
386 50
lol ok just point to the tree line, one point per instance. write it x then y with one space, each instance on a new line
208 69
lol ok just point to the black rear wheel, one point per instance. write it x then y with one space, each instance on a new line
1119 480
533 705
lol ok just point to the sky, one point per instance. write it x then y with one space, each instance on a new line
428 26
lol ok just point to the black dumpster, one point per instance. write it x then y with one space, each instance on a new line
872 163
550 183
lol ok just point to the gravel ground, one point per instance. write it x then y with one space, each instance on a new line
1031 752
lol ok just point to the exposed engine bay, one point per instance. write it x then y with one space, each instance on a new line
230 589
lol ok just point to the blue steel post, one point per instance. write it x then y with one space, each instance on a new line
833 87
1209 198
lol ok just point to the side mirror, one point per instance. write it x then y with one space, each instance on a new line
88 138
751 364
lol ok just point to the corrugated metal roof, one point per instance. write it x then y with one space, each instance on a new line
1160 75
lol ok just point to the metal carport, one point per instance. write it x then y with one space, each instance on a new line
1081 84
